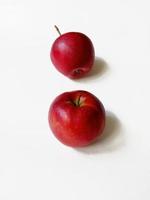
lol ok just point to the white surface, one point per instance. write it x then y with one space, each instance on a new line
33 164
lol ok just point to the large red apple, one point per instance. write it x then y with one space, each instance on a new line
76 118
72 54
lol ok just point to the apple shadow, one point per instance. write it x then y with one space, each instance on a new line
110 140
99 68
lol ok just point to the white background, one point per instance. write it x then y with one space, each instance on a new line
33 164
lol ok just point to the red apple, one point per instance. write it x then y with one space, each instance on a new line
76 118
72 54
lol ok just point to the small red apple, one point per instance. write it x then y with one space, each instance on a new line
76 118
72 54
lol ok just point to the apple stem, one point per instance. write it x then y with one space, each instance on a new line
78 102
57 29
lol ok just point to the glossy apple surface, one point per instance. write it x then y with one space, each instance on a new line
72 54
76 118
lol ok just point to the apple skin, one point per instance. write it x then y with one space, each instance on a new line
73 54
76 118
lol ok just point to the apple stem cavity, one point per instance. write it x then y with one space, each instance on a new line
77 102
57 29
